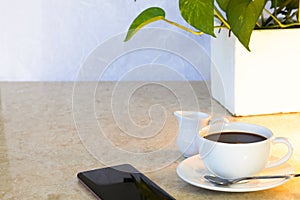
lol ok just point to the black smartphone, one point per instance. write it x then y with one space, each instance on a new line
121 182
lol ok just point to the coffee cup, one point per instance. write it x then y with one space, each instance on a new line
235 149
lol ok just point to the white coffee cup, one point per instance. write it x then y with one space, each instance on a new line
230 160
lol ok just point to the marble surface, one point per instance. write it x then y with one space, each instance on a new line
51 131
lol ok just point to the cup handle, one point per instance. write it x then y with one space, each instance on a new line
218 120
286 157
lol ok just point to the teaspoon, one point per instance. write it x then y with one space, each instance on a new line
226 182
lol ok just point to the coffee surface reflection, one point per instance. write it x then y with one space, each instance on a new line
235 137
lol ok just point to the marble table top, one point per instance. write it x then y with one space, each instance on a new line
50 131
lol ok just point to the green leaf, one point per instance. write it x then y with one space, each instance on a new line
276 3
294 4
199 14
223 4
242 16
290 4
147 16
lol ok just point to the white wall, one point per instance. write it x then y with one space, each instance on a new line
50 39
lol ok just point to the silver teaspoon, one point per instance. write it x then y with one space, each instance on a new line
226 182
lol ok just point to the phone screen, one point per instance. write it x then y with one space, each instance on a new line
121 182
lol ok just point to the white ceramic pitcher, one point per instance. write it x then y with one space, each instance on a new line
190 122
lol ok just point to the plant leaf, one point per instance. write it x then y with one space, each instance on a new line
147 16
242 16
276 3
290 4
199 14
294 4
223 4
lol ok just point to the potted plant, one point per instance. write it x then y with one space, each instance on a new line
240 81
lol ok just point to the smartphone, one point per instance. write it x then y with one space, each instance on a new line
121 182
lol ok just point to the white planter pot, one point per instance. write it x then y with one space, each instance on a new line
263 81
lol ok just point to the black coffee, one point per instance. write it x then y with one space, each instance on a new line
235 137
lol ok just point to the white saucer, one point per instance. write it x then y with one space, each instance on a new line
192 170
